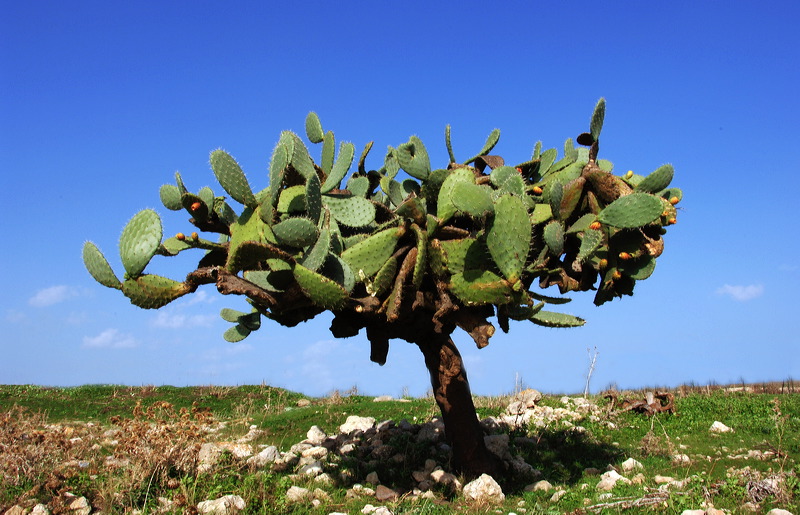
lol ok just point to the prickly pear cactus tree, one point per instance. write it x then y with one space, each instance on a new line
410 255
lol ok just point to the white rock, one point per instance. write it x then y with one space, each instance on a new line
778 511
228 504
79 506
484 490
693 512
383 398
529 397
265 457
315 452
630 465
356 423
663 479
311 469
40 509
719 427
539 486
210 453
372 478
558 495
297 494
316 436
681 459
15 510
609 479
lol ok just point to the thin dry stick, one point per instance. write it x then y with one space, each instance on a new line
592 363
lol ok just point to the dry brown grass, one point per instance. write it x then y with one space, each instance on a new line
124 464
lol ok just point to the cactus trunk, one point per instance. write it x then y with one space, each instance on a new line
453 396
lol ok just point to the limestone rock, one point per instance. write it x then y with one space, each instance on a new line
484 490
778 511
225 505
719 427
316 436
40 509
609 479
297 494
539 486
15 510
356 423
265 457
630 465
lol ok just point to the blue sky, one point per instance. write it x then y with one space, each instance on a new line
103 101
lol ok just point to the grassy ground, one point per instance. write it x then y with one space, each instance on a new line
54 440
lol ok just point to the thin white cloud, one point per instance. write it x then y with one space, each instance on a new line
168 320
741 293
110 339
52 295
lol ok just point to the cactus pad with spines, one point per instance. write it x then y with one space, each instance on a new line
452 246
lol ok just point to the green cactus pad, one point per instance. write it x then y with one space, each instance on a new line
449 144
384 279
301 160
232 178
140 241
551 319
207 195
672 193
313 198
471 199
231 315
598 116
296 232
248 228
171 197
464 254
546 161
509 236
153 291
478 287
413 158
445 207
318 253
328 153
582 223
350 211
657 180
508 179
236 333
491 141
570 197
589 243
541 214
343 162
292 199
554 237
548 299
336 269
369 255
98 266
313 128
179 182
281 156
358 186
190 201
421 263
638 269
322 291
634 210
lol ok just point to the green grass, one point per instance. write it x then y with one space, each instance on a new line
562 455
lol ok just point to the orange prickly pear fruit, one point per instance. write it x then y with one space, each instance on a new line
624 256
195 236
537 190
595 225
180 236
195 206
674 200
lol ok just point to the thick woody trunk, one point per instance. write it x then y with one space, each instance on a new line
452 394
